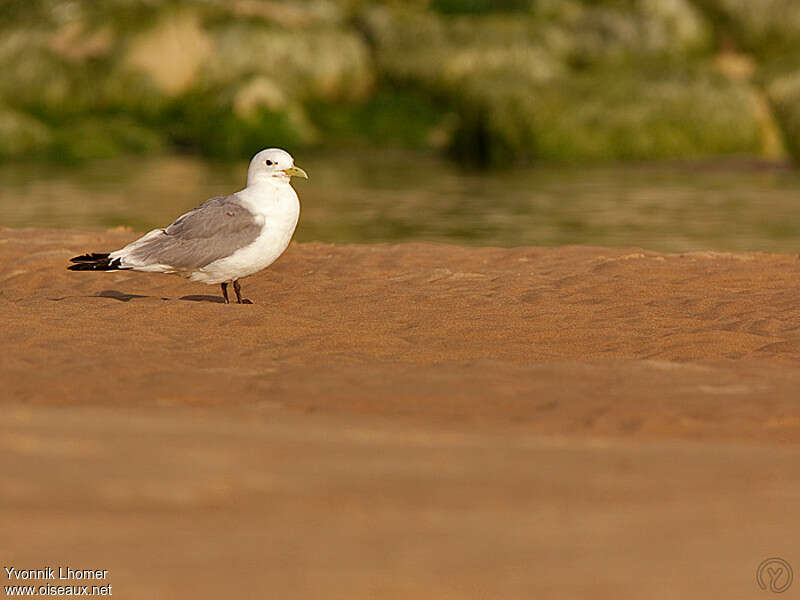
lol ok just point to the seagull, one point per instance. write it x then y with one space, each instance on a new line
224 239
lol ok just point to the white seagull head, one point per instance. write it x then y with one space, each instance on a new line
273 165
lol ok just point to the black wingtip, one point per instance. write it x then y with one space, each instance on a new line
89 257
95 262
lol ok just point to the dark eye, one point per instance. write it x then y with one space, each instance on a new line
269 163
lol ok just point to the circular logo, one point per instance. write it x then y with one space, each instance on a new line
775 575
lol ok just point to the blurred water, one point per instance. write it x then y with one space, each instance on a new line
389 197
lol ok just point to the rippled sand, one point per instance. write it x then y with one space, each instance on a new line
393 421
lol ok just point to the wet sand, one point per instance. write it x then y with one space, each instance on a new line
403 421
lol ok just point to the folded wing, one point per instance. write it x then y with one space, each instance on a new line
214 230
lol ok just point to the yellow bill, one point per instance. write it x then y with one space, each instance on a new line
296 172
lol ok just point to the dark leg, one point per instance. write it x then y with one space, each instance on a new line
225 292
238 289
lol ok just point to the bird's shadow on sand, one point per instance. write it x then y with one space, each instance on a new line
201 298
123 297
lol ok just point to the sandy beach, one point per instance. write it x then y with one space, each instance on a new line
403 421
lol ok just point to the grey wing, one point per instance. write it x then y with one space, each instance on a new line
213 230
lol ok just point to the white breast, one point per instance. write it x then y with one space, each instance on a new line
278 207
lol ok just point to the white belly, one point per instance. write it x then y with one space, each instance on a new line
280 215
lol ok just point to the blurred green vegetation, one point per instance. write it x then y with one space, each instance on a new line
486 82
